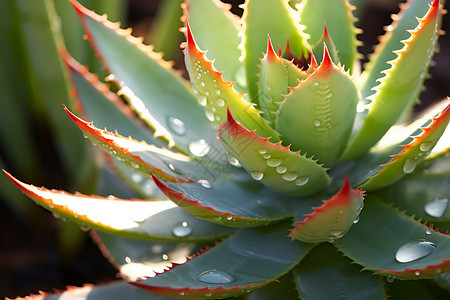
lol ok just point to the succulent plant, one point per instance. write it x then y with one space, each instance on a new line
281 173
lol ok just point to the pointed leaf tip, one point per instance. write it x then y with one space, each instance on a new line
270 53
327 63
333 219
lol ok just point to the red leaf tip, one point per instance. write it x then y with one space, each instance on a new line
270 53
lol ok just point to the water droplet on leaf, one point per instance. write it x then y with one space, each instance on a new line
390 278
205 183
317 123
437 207
257 175
220 102
281 169
274 162
215 277
199 147
177 126
301 181
289 176
181 230
414 250
425 146
234 161
409 166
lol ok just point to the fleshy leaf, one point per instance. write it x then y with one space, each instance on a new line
340 22
157 94
276 166
273 83
137 259
228 203
333 219
216 94
216 29
140 156
326 40
399 89
392 244
343 278
102 106
232 267
390 42
277 19
158 220
327 100
412 154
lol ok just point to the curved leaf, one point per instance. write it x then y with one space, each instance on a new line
327 100
275 18
216 29
340 22
158 95
276 166
375 242
215 94
399 89
229 203
344 280
406 161
333 219
247 260
149 220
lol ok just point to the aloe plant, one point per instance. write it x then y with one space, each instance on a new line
281 170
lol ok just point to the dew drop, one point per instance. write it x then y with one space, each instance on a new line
424 147
209 115
437 207
262 151
199 147
128 260
165 257
409 166
257 175
316 83
428 231
289 176
267 156
202 100
177 126
205 183
217 91
136 177
274 162
301 181
414 250
220 102
230 217
417 273
390 278
281 169
172 167
84 228
134 165
181 230
202 83
215 277
234 161
356 220
317 123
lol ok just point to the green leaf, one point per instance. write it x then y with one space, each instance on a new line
137 259
104 107
412 154
157 94
276 19
275 166
344 280
424 193
233 202
384 239
233 265
399 88
337 15
415 290
216 30
218 95
273 83
333 219
327 100
397 32
283 286
146 158
157 220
